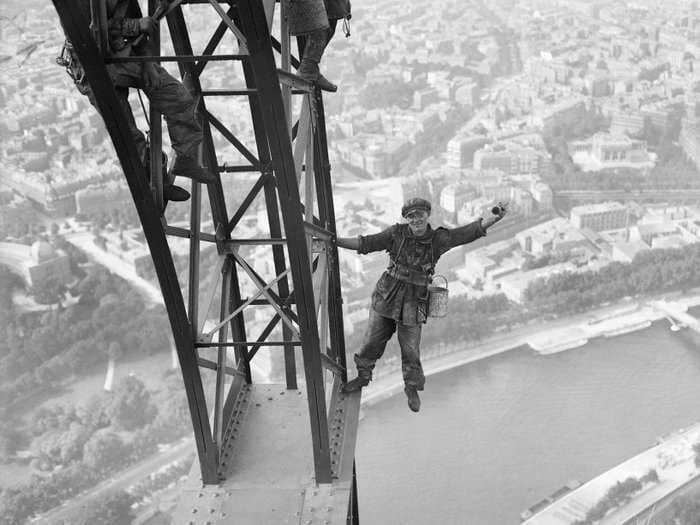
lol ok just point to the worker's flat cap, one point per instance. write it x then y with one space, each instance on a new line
416 203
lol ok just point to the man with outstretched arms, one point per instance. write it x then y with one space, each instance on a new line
400 297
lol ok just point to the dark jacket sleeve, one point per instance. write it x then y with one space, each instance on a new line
377 242
120 24
449 238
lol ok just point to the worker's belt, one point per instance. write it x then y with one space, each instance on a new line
408 275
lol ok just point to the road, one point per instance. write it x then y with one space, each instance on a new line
62 515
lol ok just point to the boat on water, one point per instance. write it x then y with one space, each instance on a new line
546 502
559 347
627 329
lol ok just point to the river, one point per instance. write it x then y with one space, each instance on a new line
495 436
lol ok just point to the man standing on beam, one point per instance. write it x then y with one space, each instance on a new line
400 297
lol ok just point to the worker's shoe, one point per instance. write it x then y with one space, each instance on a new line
413 398
175 193
325 84
187 166
354 385
313 51
308 70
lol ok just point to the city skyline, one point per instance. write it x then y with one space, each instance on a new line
583 116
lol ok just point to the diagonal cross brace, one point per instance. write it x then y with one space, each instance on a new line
266 293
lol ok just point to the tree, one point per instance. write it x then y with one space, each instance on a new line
131 406
110 509
685 511
114 351
49 290
11 439
104 450
59 447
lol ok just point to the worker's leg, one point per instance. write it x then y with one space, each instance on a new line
170 191
171 98
413 376
124 76
379 331
138 137
409 340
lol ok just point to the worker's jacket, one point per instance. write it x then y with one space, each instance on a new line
402 291
121 27
337 9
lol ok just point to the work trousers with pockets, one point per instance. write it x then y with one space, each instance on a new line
379 331
168 96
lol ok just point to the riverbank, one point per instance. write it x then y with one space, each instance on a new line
620 318
628 318
672 459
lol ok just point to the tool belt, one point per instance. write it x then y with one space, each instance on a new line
408 275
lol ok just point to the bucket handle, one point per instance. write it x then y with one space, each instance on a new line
443 278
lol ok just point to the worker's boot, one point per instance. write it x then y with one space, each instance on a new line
313 50
175 193
413 398
187 166
355 385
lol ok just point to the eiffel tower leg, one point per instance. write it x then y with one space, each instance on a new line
76 28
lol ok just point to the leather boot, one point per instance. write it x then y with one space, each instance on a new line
313 50
413 398
325 84
175 193
187 166
355 385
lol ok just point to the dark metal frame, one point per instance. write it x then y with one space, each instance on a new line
310 304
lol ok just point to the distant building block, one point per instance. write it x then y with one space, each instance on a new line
600 217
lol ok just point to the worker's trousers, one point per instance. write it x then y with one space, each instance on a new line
167 95
379 331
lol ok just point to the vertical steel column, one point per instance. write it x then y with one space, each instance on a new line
238 331
155 135
327 216
354 508
226 270
273 216
193 267
273 113
76 28
285 51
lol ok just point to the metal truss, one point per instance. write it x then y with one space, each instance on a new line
302 294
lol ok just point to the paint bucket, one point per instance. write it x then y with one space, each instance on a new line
437 299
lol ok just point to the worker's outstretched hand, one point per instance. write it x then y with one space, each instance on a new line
496 214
